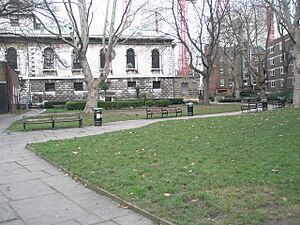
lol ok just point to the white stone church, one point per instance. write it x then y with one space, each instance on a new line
49 70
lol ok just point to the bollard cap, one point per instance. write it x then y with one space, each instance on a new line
190 104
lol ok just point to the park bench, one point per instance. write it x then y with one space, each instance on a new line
52 119
171 109
278 104
155 110
250 107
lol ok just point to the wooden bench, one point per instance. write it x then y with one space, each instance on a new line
249 107
155 110
52 119
171 109
278 104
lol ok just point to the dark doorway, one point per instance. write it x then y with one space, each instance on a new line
3 98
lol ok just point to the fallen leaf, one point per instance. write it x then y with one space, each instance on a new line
167 194
123 206
274 170
75 153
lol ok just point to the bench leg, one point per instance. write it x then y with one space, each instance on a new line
80 123
53 125
24 126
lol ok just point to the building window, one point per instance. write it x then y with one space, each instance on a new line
102 58
14 22
273 72
231 83
280 46
131 84
221 70
273 84
222 82
255 58
130 59
281 70
156 84
11 58
272 61
78 86
282 57
75 60
155 59
272 50
48 58
49 87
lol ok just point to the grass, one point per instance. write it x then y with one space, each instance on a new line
227 170
121 115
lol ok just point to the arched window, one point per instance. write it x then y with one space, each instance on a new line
155 59
130 59
48 58
12 58
102 58
75 60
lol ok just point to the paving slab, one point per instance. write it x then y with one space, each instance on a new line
27 189
6 213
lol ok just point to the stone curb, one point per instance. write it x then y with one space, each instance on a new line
105 193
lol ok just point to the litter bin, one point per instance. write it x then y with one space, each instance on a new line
98 116
264 103
190 109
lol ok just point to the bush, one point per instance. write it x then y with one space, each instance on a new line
49 105
230 100
248 93
75 105
176 101
121 104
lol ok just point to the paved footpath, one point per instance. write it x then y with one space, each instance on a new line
33 192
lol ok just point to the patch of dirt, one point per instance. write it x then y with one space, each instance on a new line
288 221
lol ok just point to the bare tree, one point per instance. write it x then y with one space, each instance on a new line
79 38
288 16
249 30
204 38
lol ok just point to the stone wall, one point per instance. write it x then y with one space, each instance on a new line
170 87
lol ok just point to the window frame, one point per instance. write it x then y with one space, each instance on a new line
12 57
48 63
75 61
155 60
273 84
130 59
222 82
131 84
155 83
47 89
78 84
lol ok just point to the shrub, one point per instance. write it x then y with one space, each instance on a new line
75 105
230 100
248 93
121 104
49 105
176 101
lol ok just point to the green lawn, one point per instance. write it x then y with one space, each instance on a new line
126 114
227 170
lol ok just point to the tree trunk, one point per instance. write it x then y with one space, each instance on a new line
93 96
92 84
205 90
296 98
237 89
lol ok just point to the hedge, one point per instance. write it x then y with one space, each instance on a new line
49 105
230 100
121 104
